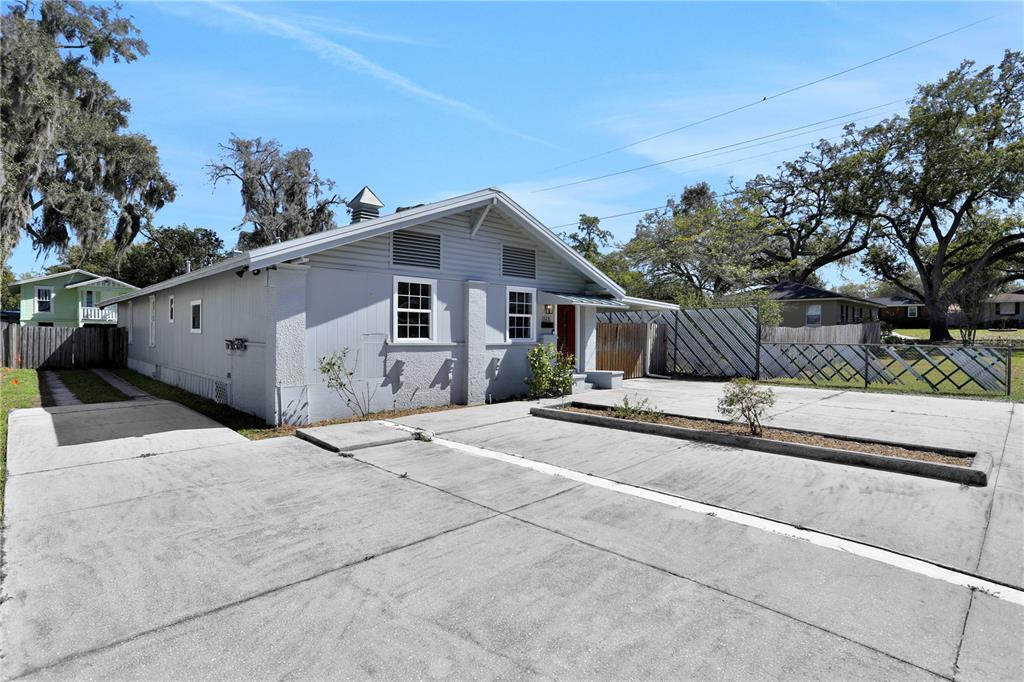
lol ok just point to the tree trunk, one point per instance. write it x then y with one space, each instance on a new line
938 329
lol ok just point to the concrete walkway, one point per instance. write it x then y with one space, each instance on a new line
54 390
143 547
130 390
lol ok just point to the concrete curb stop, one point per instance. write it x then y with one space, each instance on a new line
976 474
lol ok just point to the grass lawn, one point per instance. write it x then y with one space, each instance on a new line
1014 335
18 388
247 425
89 387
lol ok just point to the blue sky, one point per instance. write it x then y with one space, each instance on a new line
422 101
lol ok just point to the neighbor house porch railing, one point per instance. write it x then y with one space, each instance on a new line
93 314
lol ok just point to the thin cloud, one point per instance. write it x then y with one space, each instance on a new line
347 58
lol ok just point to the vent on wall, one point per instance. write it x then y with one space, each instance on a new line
516 262
416 249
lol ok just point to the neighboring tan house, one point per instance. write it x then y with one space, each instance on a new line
1004 310
69 299
805 306
436 304
902 311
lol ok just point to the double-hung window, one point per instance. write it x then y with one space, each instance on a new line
414 305
813 317
44 299
521 313
911 311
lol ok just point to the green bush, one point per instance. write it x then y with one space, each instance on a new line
641 410
743 399
550 372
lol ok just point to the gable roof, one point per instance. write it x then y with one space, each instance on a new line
63 273
794 291
895 301
1012 297
300 247
96 280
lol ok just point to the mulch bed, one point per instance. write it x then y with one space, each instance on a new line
793 437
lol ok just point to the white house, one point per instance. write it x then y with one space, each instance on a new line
437 304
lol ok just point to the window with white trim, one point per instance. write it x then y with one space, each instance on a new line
170 309
196 315
521 312
414 302
1007 308
90 301
44 300
911 311
813 316
152 321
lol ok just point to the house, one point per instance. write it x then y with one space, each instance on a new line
805 306
69 299
1004 310
902 311
435 304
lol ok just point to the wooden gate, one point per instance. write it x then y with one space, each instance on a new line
626 347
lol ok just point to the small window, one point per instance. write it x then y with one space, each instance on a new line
516 262
152 320
196 308
844 314
414 309
170 309
521 315
911 311
813 318
858 314
416 249
89 301
1007 308
44 299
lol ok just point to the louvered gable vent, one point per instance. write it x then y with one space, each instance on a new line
416 249
516 262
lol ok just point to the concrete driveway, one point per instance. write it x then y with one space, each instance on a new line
129 555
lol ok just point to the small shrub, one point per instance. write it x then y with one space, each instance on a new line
334 368
640 410
743 399
550 372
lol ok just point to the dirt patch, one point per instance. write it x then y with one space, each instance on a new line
791 437
275 432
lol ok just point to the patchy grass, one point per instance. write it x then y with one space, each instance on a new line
228 416
19 388
89 387
913 386
245 424
983 335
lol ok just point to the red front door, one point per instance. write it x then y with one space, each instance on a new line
566 329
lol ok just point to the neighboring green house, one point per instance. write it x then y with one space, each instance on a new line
69 299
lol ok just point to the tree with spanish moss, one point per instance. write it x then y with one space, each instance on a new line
71 171
283 197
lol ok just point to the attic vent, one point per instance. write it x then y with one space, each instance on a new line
516 262
416 249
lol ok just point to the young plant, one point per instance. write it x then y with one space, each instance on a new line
550 372
640 410
339 378
742 399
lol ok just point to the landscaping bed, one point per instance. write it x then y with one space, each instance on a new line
791 436
940 463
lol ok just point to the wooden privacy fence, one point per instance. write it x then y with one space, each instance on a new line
62 347
634 348
728 342
864 332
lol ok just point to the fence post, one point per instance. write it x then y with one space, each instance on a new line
757 350
865 347
1009 372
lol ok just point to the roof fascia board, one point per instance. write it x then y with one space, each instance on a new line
215 269
40 278
100 279
648 303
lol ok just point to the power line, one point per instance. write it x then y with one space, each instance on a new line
776 95
735 146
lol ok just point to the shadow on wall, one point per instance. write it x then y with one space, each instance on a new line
393 377
443 378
